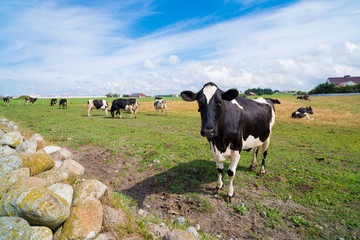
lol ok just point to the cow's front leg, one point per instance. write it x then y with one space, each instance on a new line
219 184
235 157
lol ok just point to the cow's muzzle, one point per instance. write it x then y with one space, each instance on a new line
207 132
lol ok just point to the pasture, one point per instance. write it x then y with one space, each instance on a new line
161 163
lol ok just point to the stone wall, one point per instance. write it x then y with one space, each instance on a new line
43 196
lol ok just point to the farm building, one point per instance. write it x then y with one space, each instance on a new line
138 95
343 81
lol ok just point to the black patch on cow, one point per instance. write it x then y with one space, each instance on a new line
220 170
230 173
98 103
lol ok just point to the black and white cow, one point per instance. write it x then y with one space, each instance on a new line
302 112
6 101
63 103
304 97
53 101
97 104
232 124
160 104
130 104
32 100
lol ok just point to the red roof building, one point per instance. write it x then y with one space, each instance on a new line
343 81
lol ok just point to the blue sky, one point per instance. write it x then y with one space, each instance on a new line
88 48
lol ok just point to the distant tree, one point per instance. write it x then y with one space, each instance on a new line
331 88
323 88
260 91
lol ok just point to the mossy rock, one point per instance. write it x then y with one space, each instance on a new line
38 205
37 162
14 228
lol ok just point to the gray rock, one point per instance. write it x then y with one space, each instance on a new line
51 149
73 167
41 233
105 236
178 234
6 150
263 214
37 205
8 179
27 146
157 230
62 154
180 220
9 163
14 228
89 188
12 139
193 232
54 176
142 213
113 217
65 191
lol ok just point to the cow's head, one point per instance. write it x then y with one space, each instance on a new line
309 110
210 99
112 110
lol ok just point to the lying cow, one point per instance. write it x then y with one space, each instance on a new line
232 124
97 104
131 105
53 101
32 100
304 97
160 104
6 101
302 112
63 103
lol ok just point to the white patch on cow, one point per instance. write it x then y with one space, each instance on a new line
209 92
251 142
261 100
219 156
272 122
236 103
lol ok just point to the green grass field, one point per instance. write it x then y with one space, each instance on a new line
315 163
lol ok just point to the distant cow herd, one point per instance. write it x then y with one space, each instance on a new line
132 105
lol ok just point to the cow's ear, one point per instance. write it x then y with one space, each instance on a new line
230 94
188 96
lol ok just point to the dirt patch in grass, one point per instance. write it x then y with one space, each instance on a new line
152 189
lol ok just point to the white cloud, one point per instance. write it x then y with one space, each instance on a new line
159 61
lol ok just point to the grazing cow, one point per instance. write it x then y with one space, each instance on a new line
98 104
53 101
6 101
32 100
130 104
302 112
63 103
232 124
160 104
304 97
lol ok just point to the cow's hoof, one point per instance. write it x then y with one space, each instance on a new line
252 168
218 190
229 199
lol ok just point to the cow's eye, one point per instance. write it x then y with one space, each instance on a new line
219 103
